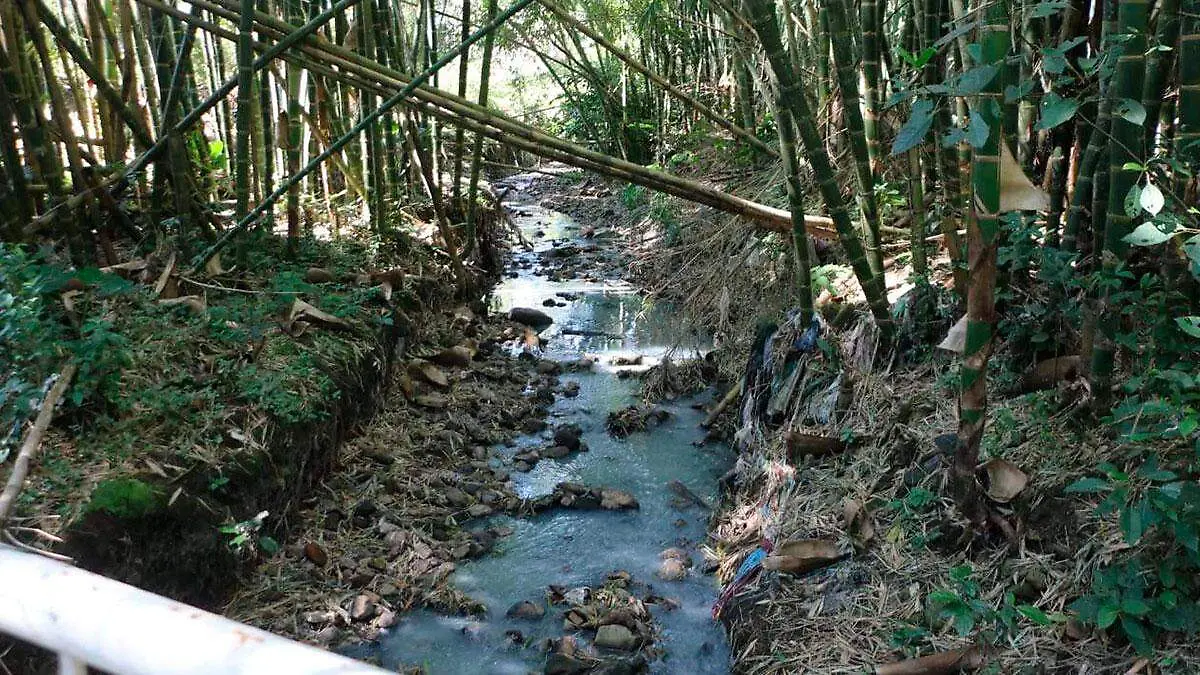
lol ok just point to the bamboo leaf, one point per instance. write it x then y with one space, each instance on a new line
1152 199
1189 325
974 80
1055 111
1045 9
914 130
977 131
1146 234
1131 111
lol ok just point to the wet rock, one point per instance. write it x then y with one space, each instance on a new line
561 664
545 394
479 510
386 619
548 367
549 302
534 318
458 356
567 435
616 500
318 618
473 631
362 608
616 636
317 275
315 554
671 569
526 609
556 452
571 389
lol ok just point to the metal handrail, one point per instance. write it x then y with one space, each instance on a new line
88 619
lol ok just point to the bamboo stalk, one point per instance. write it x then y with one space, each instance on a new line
762 16
32 443
565 16
358 128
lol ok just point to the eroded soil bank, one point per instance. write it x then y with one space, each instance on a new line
488 519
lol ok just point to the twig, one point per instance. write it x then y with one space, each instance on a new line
33 441
33 549
227 289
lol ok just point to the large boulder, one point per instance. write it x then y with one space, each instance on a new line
534 318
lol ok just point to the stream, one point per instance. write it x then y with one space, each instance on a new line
574 548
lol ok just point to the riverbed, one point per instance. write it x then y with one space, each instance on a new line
600 316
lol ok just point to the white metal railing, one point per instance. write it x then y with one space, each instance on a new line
91 620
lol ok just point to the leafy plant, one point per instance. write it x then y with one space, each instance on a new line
962 605
1160 509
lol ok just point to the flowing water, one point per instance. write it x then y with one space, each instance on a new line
578 548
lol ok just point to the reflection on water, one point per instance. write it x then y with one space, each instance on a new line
575 548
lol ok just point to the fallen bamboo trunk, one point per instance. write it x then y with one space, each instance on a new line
454 110
33 442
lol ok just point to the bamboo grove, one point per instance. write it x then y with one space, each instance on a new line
1063 126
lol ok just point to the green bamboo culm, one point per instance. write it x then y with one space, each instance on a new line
983 238
1125 148
869 19
791 92
245 110
485 71
459 132
795 191
1187 134
395 100
1090 187
848 83
1159 64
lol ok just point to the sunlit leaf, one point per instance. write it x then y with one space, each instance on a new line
1152 199
1088 485
1146 234
1189 325
1131 111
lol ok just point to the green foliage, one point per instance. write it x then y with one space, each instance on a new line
1159 509
37 336
961 605
124 498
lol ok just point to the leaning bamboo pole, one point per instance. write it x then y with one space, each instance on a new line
761 14
453 109
748 136
363 124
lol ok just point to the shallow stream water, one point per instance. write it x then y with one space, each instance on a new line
578 548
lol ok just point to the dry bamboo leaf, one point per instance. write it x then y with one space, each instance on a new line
803 555
301 310
857 520
1017 192
213 267
163 288
945 663
430 373
1005 480
126 269
1048 373
956 339
193 302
